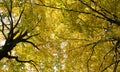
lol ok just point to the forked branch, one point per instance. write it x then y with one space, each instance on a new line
23 61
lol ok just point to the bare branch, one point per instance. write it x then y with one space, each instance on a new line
15 33
23 61
33 63
19 19
110 65
117 22
31 36
20 37
24 40
9 9
1 19
16 58
116 55
105 58
42 2
3 27
93 9
10 13
95 44
103 9
101 15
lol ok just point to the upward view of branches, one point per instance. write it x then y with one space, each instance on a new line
10 38
98 24
101 13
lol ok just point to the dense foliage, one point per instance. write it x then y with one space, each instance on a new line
61 35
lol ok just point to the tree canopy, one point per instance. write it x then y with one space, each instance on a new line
60 35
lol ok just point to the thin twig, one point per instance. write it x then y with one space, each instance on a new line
117 22
110 65
3 28
18 19
95 44
105 57
23 61
24 40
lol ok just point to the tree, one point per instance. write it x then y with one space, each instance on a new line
98 21
73 35
15 31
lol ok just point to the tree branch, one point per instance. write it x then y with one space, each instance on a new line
23 61
95 44
105 57
116 21
24 40
18 19
110 65
102 15
3 27
31 36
